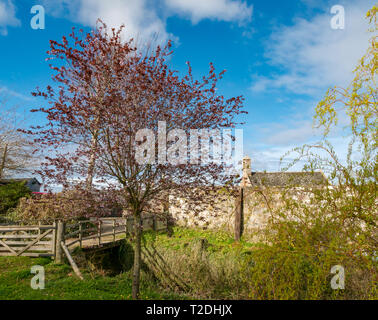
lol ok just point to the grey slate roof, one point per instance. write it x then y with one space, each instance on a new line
284 179
32 183
32 180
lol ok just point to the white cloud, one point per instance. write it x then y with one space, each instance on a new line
139 16
307 58
288 133
7 16
140 19
224 10
8 92
311 56
267 157
145 19
273 139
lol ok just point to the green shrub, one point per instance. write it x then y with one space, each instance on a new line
10 194
301 246
334 224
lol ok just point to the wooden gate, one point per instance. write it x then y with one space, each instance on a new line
31 241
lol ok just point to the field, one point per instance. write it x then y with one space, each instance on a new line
61 282
191 264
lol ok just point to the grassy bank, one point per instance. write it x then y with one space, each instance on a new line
200 264
192 264
61 282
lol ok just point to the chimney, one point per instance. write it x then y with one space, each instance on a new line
246 172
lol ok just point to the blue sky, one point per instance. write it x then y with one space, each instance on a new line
281 55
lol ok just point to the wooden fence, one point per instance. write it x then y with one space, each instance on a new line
53 240
32 241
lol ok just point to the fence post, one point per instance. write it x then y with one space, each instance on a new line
59 239
129 224
53 245
239 207
114 227
168 221
81 234
99 232
154 224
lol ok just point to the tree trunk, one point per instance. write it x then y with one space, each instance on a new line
3 159
92 162
168 217
89 180
137 254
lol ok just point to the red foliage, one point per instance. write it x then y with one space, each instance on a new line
106 91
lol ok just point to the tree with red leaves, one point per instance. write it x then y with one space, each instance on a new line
112 101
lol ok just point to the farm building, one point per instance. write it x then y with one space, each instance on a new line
32 183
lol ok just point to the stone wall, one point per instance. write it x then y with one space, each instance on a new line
258 204
216 213
221 213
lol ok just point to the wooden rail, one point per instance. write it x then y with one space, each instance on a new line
91 233
45 240
32 241
94 230
71 260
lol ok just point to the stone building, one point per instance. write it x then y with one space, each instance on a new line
32 183
279 179
220 214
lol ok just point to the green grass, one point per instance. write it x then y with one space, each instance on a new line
216 268
62 283
218 241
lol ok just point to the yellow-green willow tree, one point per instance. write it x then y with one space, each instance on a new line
359 100
330 225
